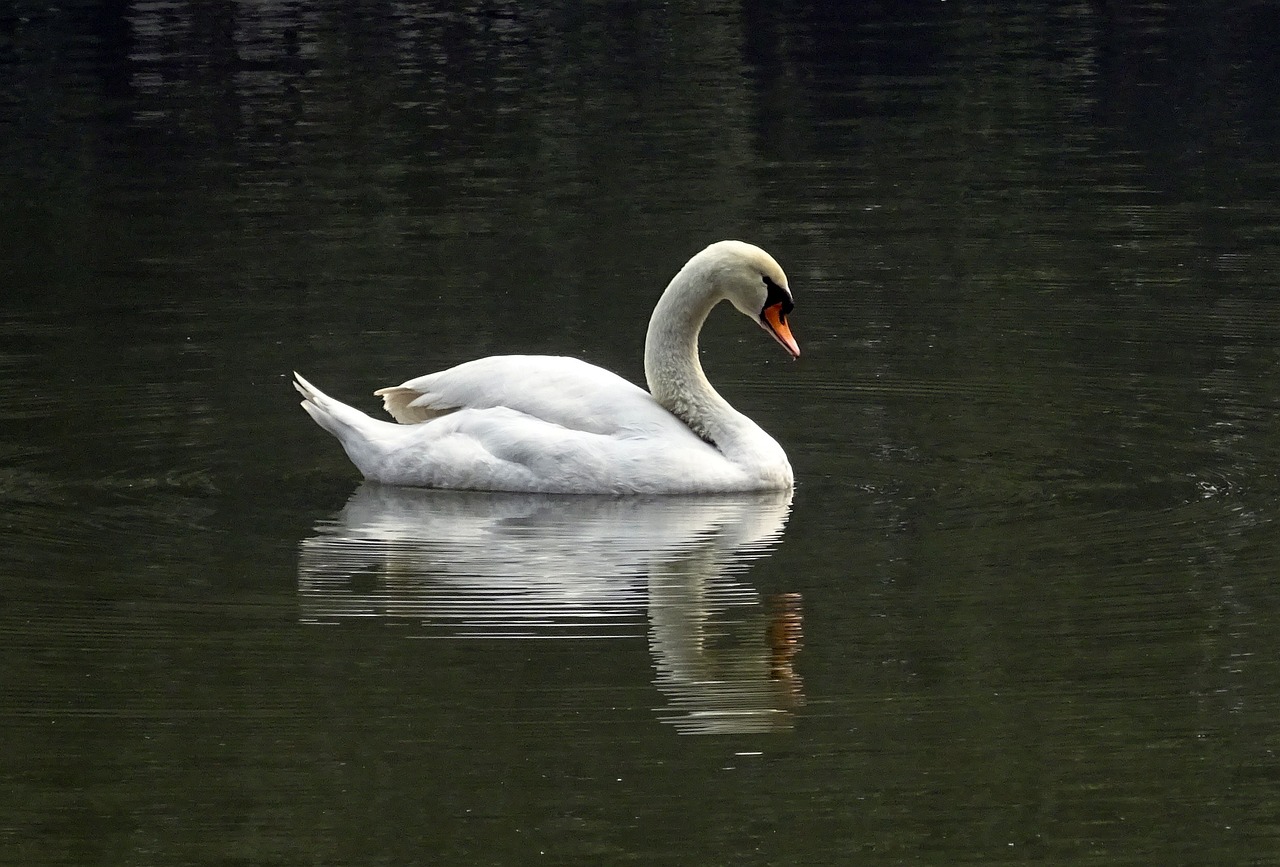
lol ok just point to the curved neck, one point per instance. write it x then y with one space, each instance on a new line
671 365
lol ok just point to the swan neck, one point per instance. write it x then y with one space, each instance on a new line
671 366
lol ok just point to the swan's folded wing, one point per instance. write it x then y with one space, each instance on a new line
559 390
503 449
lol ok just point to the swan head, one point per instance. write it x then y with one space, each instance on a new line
754 283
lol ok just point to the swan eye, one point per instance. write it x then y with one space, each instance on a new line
777 295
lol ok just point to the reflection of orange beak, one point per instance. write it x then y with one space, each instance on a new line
775 322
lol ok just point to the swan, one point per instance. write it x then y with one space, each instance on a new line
537 423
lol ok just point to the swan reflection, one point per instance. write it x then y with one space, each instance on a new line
536 565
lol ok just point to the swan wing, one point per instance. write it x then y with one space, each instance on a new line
503 449
500 448
561 391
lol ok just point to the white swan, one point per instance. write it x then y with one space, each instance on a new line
560 425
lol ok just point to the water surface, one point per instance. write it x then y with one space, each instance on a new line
1021 606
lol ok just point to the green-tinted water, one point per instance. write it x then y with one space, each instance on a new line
1021 608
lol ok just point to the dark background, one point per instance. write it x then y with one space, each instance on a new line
1034 252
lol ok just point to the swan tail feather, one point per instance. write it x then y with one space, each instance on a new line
344 422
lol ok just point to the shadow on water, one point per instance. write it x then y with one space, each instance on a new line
535 566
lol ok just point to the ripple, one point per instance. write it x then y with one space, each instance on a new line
483 566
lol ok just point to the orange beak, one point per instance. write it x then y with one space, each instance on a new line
775 322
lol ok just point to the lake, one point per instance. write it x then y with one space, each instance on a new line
1020 607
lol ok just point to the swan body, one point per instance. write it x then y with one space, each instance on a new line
536 423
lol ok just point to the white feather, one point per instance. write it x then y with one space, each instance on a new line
554 424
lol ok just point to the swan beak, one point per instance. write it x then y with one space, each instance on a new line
775 322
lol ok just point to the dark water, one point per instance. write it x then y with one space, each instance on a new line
1022 606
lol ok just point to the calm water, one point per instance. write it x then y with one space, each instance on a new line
1022 606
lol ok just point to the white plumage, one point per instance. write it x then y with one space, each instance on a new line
560 425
